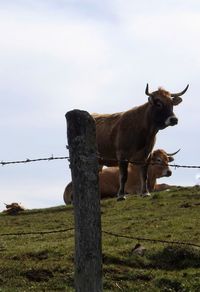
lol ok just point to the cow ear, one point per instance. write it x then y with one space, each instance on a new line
176 100
150 99
170 158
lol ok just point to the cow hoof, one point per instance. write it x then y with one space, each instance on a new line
147 194
121 198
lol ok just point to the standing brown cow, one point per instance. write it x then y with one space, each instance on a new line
130 135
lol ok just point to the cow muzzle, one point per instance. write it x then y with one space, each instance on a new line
171 121
169 173
166 173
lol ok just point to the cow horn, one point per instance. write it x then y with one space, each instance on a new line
180 93
147 90
172 154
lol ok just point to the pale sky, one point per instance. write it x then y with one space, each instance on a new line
59 55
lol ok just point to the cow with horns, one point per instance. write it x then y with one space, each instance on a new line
130 135
158 167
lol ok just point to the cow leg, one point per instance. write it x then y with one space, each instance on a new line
123 175
143 178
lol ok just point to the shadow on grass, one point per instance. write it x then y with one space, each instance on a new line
40 255
58 278
176 258
165 285
169 258
38 275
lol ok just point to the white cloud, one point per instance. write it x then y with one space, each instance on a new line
64 39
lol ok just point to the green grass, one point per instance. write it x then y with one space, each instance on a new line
45 262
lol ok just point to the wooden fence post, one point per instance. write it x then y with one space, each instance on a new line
81 134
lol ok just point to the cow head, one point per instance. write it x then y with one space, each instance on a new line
162 103
158 165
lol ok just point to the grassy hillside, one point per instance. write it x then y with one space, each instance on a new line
44 262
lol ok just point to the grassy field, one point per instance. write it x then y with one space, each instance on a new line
44 262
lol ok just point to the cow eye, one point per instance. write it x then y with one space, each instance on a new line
158 160
158 104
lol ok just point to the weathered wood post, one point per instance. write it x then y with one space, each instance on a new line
81 134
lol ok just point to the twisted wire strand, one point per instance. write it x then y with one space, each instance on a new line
107 233
51 158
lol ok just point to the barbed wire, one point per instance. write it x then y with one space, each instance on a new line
34 160
51 158
37 232
184 166
152 239
107 233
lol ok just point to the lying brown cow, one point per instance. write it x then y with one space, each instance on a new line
130 135
13 208
109 182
